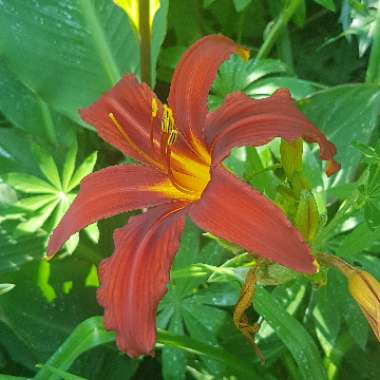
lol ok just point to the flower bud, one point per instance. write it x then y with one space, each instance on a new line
307 219
291 157
365 290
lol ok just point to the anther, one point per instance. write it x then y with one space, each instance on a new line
167 122
154 107
172 137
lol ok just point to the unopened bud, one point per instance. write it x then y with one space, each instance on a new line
307 219
365 290
291 157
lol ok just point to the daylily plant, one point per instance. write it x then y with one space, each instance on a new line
181 147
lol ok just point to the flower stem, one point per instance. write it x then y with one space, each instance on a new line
373 70
144 24
273 35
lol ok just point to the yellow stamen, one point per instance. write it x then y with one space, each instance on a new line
154 115
131 143
154 107
167 122
243 53
172 137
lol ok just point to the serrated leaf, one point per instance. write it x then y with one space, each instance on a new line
84 169
47 166
28 183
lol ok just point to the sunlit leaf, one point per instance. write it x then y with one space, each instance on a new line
28 184
84 169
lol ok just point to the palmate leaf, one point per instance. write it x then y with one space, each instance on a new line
86 167
47 166
27 183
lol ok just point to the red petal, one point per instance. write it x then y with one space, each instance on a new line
131 104
106 193
133 280
243 121
192 80
233 211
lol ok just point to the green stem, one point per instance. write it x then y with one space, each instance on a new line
282 20
144 23
373 70
326 232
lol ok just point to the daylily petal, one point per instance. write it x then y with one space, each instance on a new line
191 83
232 210
244 121
133 280
130 102
109 192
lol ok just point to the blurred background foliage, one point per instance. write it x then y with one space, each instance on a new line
59 56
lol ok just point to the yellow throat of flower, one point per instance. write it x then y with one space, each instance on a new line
188 177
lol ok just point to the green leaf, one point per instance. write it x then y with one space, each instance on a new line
328 4
5 288
241 4
357 241
292 334
90 334
35 327
47 166
238 75
35 202
174 360
158 35
31 113
69 165
15 153
62 374
195 347
35 222
28 183
99 46
84 169
345 114
12 248
87 335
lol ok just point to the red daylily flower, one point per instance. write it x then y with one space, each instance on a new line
180 148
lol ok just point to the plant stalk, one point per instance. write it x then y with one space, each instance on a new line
282 20
373 70
144 26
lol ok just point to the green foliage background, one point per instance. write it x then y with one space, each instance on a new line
59 56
